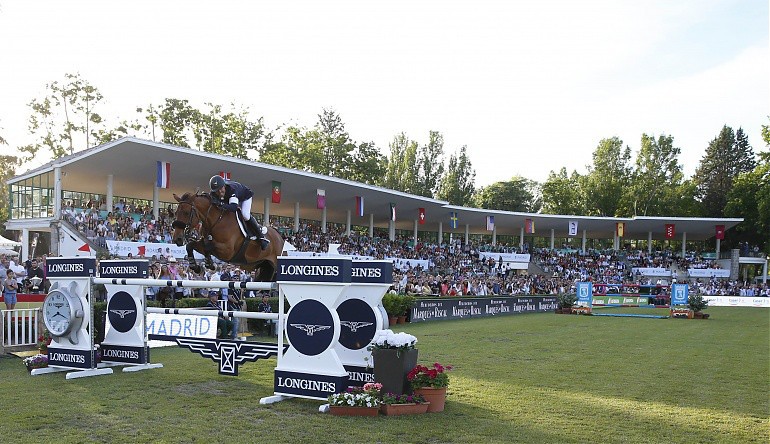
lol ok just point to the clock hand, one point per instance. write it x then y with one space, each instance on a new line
58 314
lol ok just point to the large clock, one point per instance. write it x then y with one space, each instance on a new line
63 312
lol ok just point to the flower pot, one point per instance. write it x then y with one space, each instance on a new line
42 351
698 315
343 410
392 320
391 367
436 396
404 409
402 319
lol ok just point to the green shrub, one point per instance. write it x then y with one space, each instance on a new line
697 303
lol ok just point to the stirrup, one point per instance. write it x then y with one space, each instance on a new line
265 242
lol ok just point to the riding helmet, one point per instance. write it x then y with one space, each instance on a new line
216 182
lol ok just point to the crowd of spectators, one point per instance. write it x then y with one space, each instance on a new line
455 268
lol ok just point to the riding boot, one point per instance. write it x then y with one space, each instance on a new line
260 233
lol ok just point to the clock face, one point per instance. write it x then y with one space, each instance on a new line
57 313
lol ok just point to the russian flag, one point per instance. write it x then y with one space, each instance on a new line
360 206
163 179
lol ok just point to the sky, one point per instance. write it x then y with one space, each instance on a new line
528 86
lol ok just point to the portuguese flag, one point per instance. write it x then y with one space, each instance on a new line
276 191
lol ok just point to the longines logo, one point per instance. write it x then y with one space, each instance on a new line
229 354
310 329
355 325
310 270
61 268
122 311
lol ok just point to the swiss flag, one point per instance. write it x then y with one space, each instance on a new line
720 234
421 215
141 249
85 248
670 232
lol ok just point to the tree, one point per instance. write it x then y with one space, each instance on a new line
655 179
728 155
231 134
562 194
8 166
288 151
174 118
431 159
64 118
457 185
402 168
607 178
367 164
518 194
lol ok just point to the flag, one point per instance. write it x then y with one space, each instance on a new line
670 231
226 175
421 215
163 179
453 219
573 224
720 232
85 248
141 250
320 198
276 192
490 223
620 228
529 226
392 211
360 206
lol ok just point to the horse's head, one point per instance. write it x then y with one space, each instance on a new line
187 217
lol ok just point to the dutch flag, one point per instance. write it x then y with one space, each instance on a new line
163 179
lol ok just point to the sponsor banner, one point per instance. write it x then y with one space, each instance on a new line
124 354
460 308
124 269
358 376
737 301
177 325
372 272
64 357
148 249
293 269
308 385
644 271
708 272
507 257
70 267
680 293
621 300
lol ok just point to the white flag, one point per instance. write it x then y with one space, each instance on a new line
573 228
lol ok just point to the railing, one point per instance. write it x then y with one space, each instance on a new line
20 327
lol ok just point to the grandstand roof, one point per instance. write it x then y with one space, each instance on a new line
132 162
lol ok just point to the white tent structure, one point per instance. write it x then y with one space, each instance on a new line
7 243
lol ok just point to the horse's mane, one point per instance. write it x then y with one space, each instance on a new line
190 196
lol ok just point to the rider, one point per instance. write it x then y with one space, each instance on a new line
232 196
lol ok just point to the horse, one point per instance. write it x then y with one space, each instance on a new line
209 229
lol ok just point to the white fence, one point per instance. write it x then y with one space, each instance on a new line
20 327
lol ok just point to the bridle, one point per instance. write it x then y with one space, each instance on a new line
191 235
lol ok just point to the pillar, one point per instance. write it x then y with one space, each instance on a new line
552 234
155 201
494 235
57 194
467 233
521 239
109 204
719 247
684 242
24 245
764 273
323 220
391 230
266 212
296 217
440 232
415 231
371 225
349 227
649 242
583 243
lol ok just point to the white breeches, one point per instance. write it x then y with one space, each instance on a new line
246 209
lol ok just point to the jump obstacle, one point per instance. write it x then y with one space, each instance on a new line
585 303
334 314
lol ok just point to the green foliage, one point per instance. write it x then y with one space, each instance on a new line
406 304
607 178
656 178
517 194
563 194
728 155
457 185
566 300
697 303
392 304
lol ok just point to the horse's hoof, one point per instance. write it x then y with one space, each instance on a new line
211 266
196 268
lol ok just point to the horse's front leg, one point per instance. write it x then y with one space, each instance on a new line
191 258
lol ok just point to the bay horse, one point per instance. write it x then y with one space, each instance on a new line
209 229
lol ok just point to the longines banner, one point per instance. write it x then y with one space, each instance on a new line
461 308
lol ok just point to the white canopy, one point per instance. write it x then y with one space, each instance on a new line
8 252
7 243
